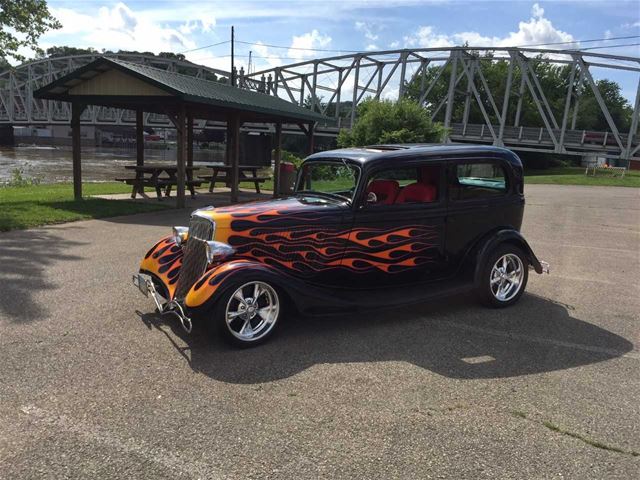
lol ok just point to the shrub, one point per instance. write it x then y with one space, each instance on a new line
402 121
19 179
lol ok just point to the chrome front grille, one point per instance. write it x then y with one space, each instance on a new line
194 261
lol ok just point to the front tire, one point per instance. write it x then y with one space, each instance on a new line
247 314
504 277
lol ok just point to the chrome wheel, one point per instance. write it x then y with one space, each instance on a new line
506 277
252 311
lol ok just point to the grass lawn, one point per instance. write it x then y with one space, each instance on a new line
30 206
576 176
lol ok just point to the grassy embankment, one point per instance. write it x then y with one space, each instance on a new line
33 205
576 176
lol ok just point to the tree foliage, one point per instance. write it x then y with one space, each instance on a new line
553 80
22 22
402 121
63 51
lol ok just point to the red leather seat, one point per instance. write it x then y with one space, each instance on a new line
385 190
417 193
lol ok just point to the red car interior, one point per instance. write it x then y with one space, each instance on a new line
417 193
385 190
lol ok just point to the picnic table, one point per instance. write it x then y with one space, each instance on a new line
222 173
151 176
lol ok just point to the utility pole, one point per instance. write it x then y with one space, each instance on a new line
233 68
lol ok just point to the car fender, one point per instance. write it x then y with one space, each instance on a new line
215 281
163 261
508 235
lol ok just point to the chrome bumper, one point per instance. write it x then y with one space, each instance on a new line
545 267
144 283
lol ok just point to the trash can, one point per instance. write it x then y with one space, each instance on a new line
287 177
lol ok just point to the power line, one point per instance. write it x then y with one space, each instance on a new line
591 40
298 48
547 44
205 46
612 46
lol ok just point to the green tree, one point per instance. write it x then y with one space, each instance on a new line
402 121
22 22
63 51
590 116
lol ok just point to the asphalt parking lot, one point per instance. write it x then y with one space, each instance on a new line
93 385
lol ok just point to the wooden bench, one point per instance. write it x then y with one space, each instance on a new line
158 184
227 180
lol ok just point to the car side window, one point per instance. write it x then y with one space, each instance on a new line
396 186
478 180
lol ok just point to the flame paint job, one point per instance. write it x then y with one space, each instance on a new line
215 278
164 261
298 239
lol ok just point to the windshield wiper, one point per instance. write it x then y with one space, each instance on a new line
330 195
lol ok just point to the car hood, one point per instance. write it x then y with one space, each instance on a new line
281 213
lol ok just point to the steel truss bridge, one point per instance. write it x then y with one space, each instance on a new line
333 86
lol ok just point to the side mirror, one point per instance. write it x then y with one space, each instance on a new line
372 198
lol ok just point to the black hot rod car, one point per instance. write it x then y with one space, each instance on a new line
365 227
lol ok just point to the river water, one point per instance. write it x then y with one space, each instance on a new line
99 164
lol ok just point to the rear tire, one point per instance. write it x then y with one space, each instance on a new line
504 277
247 313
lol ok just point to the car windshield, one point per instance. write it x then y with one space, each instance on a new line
331 178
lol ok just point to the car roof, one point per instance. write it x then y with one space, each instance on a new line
377 154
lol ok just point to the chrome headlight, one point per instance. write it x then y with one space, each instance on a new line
217 251
180 234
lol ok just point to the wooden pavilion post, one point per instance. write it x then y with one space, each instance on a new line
76 111
312 127
189 139
180 127
139 138
235 155
277 159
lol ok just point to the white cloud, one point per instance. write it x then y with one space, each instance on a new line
394 44
309 40
368 31
205 25
371 47
427 37
537 30
537 11
268 60
120 27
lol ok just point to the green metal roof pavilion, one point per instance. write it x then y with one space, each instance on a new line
115 83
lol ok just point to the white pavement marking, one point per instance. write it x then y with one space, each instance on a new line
92 433
593 247
548 341
582 279
476 360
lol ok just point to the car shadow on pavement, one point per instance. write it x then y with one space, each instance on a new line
25 256
463 341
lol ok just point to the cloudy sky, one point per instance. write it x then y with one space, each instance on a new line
280 31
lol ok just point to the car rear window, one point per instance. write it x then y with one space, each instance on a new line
478 180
